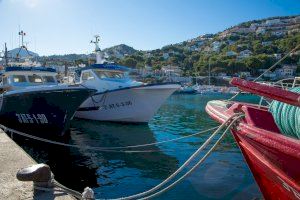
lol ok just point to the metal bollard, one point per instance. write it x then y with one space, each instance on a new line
40 174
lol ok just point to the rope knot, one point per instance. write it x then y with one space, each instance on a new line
88 194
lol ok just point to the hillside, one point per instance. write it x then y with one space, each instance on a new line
249 46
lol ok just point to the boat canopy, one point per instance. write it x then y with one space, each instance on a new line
40 69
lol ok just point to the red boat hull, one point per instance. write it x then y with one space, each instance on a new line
273 158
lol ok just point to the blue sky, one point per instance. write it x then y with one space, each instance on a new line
67 26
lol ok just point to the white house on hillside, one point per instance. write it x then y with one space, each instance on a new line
266 43
171 70
148 55
278 33
260 30
286 71
270 75
146 71
254 25
277 56
231 42
272 22
216 45
166 56
245 74
243 29
297 19
231 53
244 54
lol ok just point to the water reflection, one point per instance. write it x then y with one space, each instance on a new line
93 133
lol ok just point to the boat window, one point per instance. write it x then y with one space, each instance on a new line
35 79
87 76
19 78
101 74
118 75
107 74
49 79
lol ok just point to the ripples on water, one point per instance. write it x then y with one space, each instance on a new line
224 175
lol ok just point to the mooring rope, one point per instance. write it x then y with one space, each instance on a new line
287 117
106 149
142 195
55 186
198 163
74 146
184 164
164 141
67 190
102 99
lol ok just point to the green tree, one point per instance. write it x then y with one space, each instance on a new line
140 65
129 62
253 64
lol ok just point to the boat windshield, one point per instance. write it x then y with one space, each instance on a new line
48 79
35 79
110 74
19 79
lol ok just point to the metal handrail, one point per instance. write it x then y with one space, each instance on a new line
281 84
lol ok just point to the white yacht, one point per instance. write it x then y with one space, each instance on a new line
188 89
118 97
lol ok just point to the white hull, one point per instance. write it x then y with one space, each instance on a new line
136 104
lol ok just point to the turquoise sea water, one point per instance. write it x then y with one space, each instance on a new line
224 175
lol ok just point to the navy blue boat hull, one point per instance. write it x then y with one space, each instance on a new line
43 113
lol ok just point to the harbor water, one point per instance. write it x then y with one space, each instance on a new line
224 175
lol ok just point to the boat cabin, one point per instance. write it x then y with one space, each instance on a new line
104 77
19 77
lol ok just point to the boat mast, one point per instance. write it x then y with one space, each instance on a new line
99 55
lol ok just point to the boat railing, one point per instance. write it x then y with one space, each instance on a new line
285 84
295 84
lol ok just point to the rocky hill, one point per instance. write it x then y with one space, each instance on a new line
119 51
22 53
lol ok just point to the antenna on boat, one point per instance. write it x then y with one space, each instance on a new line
99 55
22 34
5 55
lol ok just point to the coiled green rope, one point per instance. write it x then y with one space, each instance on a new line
287 117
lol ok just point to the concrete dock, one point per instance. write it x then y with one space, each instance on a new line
13 158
